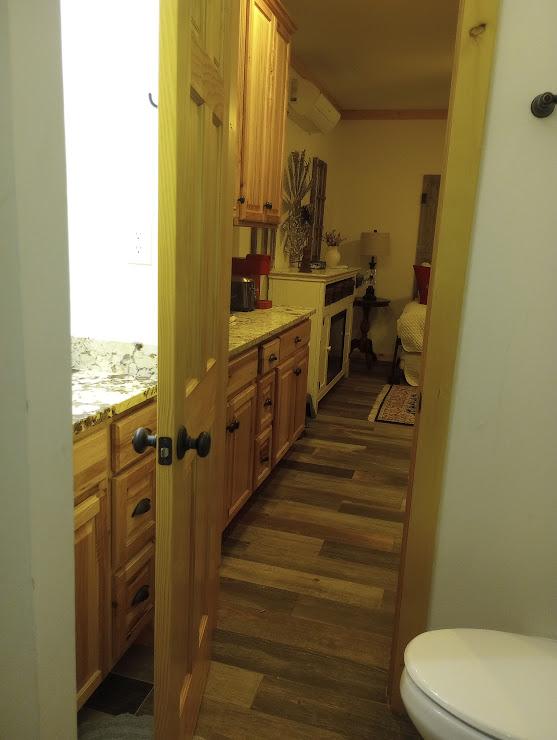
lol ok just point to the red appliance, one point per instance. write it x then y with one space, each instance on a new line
257 267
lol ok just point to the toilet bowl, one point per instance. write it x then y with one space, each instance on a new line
471 684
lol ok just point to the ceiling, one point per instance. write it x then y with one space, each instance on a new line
377 54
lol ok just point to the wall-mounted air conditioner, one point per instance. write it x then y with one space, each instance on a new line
309 108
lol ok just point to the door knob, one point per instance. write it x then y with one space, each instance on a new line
201 443
142 438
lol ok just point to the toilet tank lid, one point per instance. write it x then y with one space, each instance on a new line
500 683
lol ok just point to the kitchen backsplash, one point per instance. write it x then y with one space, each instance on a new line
129 358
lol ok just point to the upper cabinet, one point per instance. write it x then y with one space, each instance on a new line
263 91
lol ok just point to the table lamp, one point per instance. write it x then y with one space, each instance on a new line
377 244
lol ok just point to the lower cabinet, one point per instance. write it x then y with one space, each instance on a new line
92 592
240 432
267 414
290 409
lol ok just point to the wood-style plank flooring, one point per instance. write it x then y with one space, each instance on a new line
308 584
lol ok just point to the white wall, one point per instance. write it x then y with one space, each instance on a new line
497 536
37 681
374 180
110 61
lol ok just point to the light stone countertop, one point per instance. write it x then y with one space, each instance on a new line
112 377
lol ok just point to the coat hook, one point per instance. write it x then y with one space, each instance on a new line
543 105
152 101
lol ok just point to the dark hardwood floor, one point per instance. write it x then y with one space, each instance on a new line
308 583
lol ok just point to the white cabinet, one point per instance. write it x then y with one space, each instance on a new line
331 294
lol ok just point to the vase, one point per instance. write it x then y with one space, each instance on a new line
332 258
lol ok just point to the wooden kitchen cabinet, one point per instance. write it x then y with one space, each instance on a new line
290 403
263 88
240 430
285 395
92 591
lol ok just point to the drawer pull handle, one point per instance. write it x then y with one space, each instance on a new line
142 507
268 402
235 424
273 358
264 459
141 595
297 340
298 371
242 200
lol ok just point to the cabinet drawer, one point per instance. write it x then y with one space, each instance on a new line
265 401
134 598
90 458
294 339
133 510
122 432
242 370
262 462
270 356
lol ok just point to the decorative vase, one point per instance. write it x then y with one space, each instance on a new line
332 258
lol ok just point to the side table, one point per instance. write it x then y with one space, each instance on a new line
365 343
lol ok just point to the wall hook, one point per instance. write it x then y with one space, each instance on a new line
543 105
152 101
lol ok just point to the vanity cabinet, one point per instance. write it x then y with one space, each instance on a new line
114 525
265 412
263 92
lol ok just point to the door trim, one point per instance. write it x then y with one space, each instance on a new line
475 44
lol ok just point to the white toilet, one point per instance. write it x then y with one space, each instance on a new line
467 684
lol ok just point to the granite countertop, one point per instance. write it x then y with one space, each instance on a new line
250 328
112 377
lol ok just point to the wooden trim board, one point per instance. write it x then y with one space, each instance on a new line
469 96
405 114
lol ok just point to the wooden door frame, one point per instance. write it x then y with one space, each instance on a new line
474 51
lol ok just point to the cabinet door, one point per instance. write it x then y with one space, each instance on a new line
265 401
241 427
285 396
257 110
301 375
263 457
91 593
279 102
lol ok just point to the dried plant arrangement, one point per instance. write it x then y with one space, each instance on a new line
297 225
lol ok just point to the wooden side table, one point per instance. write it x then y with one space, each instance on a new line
365 343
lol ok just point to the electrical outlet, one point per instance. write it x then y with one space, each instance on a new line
140 251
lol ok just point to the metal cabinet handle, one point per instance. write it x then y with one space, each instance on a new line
234 424
141 595
264 460
268 205
268 402
273 358
142 507
297 340
298 371
142 438
242 200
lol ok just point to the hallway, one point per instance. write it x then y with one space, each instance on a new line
308 583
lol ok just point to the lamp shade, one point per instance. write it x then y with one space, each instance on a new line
377 243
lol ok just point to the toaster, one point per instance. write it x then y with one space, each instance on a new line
242 293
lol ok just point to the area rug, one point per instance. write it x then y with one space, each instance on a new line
396 404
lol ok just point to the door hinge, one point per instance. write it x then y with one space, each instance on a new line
164 453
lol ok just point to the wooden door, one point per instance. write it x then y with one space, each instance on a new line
300 394
240 426
88 593
194 280
256 114
279 101
285 398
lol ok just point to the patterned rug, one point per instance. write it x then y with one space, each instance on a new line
396 404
